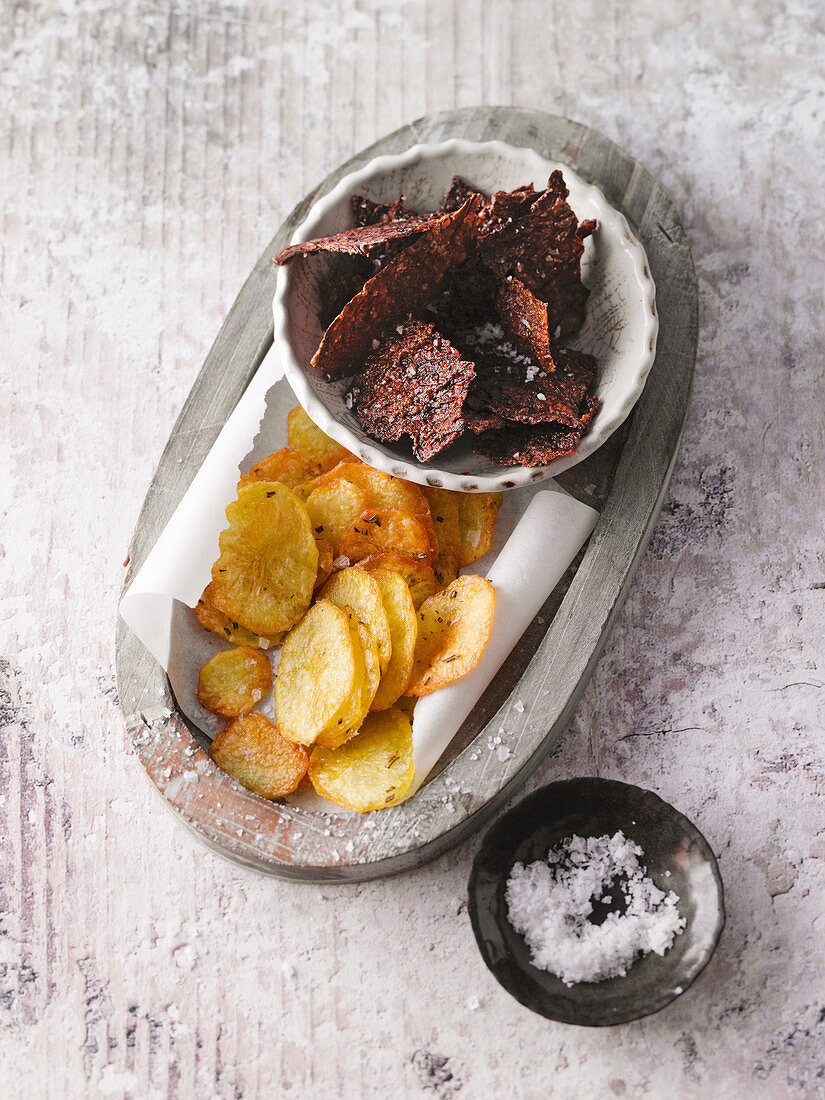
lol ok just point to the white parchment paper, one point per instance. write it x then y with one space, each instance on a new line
539 532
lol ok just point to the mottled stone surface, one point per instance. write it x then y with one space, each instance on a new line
149 151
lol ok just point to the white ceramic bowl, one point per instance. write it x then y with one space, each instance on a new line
620 328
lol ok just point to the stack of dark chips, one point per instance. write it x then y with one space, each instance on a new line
452 322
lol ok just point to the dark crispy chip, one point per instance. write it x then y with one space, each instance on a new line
507 389
403 287
367 212
536 445
478 422
587 228
506 205
524 318
346 275
467 298
362 239
538 241
414 384
575 371
458 194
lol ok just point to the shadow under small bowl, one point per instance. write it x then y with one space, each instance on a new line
597 807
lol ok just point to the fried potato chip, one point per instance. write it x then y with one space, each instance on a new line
444 508
254 753
214 620
388 493
378 532
318 670
264 576
307 438
286 466
476 517
395 595
232 682
325 559
453 629
349 719
406 704
333 506
418 574
372 770
361 591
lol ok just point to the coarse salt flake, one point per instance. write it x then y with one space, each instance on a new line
550 902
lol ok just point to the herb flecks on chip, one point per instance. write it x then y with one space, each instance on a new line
414 384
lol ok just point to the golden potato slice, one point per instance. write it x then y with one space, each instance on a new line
418 574
325 559
349 716
232 682
360 590
406 704
395 595
387 493
372 663
268 564
348 720
377 532
333 506
254 753
372 770
444 508
453 629
214 620
287 466
307 438
317 673
476 517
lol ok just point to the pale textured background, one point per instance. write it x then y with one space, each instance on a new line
149 152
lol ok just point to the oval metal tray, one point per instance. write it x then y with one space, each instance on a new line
536 690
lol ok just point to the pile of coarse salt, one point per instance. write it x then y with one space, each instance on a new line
549 903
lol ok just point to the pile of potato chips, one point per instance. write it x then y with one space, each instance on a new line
354 573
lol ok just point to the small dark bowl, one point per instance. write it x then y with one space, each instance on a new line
594 807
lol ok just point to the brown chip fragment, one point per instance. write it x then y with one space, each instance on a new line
525 321
535 445
537 239
506 205
404 286
460 190
413 384
575 371
349 271
478 421
528 396
362 239
367 212
345 277
467 297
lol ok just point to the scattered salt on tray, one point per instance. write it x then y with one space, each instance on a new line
550 902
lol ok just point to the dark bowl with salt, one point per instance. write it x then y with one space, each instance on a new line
677 858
